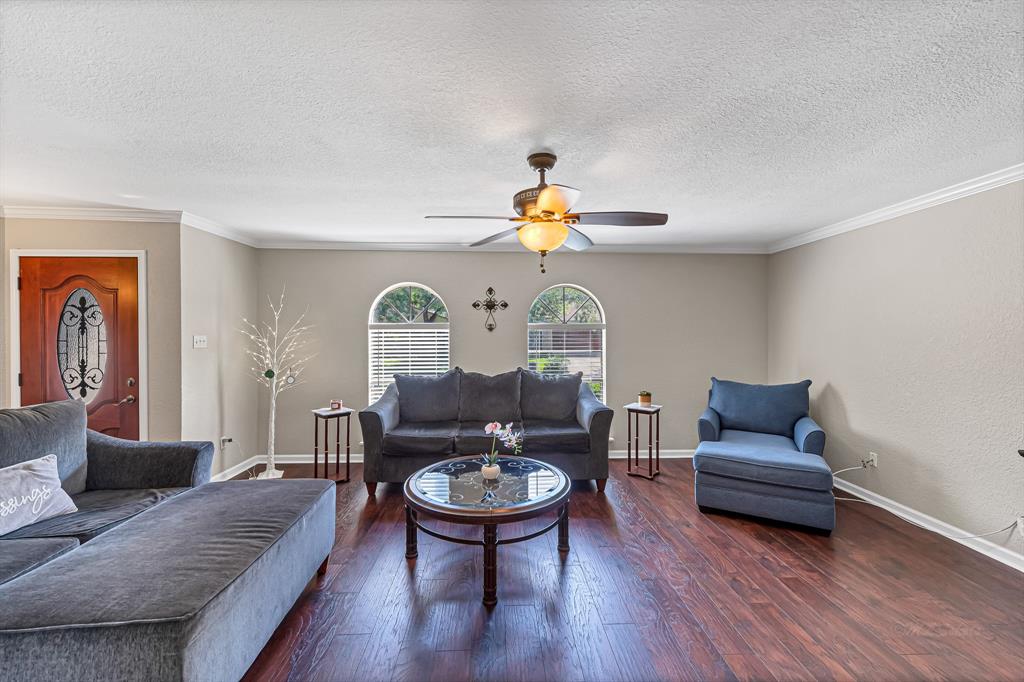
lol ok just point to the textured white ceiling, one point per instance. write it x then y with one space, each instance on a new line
746 122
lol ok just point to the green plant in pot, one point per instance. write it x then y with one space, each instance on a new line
644 397
513 440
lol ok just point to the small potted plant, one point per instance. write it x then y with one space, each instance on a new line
644 398
513 440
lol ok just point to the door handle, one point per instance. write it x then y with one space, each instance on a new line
127 401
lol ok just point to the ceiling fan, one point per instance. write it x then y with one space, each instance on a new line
545 219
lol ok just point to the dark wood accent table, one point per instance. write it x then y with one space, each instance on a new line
327 414
455 490
653 412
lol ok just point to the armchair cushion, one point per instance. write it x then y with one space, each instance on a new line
429 399
48 429
489 398
471 439
121 464
421 438
709 425
549 435
98 512
809 436
549 397
759 408
764 458
18 557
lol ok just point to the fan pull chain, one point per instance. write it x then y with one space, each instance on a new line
542 254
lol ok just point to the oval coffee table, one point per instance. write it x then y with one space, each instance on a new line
455 490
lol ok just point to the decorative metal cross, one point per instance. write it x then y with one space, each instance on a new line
490 304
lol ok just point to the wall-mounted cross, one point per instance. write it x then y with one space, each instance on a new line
490 304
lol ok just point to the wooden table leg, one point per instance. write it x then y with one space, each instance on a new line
563 529
629 441
657 443
348 445
490 564
337 447
411 551
650 445
316 443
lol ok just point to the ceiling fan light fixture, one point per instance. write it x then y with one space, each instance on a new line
543 236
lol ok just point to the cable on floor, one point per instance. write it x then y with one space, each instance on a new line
914 523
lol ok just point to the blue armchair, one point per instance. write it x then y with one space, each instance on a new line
761 454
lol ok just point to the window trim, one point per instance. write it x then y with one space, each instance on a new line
585 326
372 327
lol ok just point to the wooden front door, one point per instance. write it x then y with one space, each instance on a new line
80 337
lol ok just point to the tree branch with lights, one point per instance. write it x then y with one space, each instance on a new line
278 361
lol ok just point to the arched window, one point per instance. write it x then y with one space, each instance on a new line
408 335
566 335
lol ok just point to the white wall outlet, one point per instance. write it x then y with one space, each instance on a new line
224 440
871 460
200 342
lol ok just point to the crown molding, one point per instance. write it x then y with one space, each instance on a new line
951 193
133 215
511 247
215 228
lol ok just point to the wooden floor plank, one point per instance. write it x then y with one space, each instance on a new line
652 589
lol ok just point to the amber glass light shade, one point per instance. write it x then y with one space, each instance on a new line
543 236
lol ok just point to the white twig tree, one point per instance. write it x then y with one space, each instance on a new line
279 358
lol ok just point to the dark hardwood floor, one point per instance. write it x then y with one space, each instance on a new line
651 590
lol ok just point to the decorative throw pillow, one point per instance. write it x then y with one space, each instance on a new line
30 492
550 397
428 399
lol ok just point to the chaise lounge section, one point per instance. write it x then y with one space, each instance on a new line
422 420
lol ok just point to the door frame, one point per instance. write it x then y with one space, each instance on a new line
14 354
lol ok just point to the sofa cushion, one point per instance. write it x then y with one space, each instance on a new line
18 557
98 512
550 397
549 435
471 439
421 438
49 429
760 408
428 399
489 398
762 457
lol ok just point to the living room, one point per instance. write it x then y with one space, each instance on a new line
795 230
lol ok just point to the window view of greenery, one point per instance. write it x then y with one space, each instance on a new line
410 304
566 335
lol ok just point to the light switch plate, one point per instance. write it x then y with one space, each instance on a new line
199 342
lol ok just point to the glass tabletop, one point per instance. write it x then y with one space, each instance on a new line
458 483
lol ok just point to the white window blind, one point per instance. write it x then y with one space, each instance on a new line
406 349
566 334
408 335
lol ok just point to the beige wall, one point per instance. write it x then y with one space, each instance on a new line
218 288
161 243
913 332
673 321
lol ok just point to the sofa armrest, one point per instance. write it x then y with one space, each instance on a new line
708 425
809 436
375 421
115 463
588 407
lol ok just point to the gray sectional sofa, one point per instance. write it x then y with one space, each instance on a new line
159 575
421 420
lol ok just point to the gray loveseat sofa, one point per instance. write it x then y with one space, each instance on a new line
422 420
159 575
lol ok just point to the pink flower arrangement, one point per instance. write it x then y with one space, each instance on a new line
513 440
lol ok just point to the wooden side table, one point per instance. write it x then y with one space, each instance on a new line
327 415
653 412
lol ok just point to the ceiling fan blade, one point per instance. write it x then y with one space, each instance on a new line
470 217
495 237
622 218
577 241
557 199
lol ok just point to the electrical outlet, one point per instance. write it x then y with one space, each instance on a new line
199 342
224 440
870 461
1020 525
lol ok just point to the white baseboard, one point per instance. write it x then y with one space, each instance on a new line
1002 554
